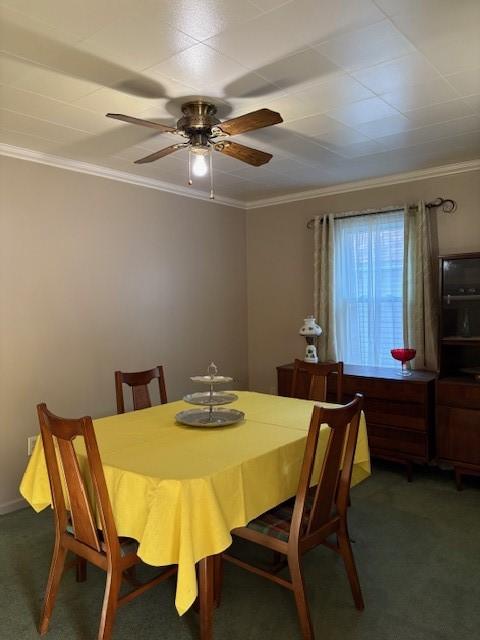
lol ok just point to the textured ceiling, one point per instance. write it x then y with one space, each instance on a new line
366 89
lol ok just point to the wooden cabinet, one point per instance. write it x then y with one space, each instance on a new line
458 426
458 394
399 411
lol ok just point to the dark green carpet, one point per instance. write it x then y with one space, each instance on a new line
418 553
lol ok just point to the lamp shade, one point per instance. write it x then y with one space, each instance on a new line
310 328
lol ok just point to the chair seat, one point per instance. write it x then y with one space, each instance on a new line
127 545
276 522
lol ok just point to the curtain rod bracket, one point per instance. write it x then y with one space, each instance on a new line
447 205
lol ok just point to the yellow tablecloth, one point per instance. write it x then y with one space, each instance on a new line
179 491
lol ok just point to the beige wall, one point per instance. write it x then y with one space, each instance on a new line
98 275
279 260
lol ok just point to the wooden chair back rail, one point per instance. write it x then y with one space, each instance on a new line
85 542
139 381
318 374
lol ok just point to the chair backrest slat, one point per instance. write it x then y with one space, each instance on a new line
317 379
343 494
80 508
141 397
334 480
139 381
327 487
63 431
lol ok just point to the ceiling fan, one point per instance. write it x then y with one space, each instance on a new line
202 131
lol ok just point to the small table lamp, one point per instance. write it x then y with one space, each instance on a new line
310 330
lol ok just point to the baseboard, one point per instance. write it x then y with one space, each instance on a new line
13 505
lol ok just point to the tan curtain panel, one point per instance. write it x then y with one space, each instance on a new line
420 316
324 285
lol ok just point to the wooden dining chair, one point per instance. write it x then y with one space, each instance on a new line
316 513
75 526
317 376
139 381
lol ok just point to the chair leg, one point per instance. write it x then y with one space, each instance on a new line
130 576
110 603
300 597
279 562
81 569
277 557
458 479
409 466
54 577
351 569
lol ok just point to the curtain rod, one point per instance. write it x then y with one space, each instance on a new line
447 205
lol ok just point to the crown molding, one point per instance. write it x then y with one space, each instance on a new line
370 183
113 174
187 192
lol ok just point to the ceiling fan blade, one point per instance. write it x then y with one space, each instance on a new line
162 128
250 121
159 154
245 154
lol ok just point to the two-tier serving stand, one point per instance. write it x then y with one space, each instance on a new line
212 414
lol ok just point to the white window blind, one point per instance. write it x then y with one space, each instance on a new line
369 288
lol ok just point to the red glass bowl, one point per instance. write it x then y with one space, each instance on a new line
403 355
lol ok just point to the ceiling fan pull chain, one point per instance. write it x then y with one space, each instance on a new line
212 195
190 181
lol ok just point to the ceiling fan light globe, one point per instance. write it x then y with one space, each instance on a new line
199 165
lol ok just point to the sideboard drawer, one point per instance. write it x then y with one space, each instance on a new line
396 414
396 440
459 395
401 391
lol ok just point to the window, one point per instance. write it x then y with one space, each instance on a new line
369 287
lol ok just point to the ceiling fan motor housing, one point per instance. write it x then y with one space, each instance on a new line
197 121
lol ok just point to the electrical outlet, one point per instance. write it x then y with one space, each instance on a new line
31 440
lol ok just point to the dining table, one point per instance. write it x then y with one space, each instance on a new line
179 491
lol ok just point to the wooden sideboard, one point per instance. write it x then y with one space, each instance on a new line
399 411
458 425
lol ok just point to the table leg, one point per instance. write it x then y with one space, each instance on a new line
206 575
409 466
218 582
